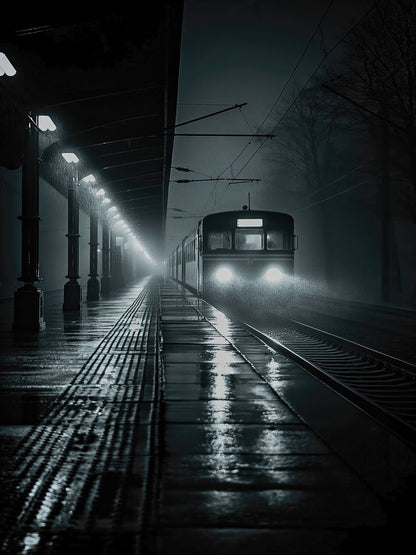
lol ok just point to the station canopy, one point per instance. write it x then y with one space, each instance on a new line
108 80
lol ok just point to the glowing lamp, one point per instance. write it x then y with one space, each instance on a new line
45 123
70 157
6 67
88 178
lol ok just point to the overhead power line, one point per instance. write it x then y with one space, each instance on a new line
165 133
379 116
333 196
268 135
239 179
307 83
277 99
297 63
207 116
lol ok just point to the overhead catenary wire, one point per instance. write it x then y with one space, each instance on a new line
240 180
239 106
187 170
247 122
332 196
275 102
326 55
202 104
317 28
333 182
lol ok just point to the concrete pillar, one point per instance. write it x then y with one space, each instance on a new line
93 286
28 299
72 289
106 276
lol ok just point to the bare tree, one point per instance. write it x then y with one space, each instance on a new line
312 146
311 137
377 78
378 73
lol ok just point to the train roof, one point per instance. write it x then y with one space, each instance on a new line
267 215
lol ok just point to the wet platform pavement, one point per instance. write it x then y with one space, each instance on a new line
160 426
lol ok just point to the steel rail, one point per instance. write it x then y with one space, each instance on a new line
380 385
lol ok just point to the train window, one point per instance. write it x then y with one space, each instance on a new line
278 240
219 240
275 240
249 240
190 251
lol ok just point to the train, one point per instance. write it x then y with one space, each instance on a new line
238 256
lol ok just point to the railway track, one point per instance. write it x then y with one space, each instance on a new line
373 324
379 384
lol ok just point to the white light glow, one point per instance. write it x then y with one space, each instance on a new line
90 178
223 275
249 222
273 275
105 201
70 157
100 193
112 209
46 124
6 67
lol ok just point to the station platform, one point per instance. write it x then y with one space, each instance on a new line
150 423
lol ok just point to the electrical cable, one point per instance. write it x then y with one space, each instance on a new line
333 182
331 196
278 97
297 63
305 85
326 55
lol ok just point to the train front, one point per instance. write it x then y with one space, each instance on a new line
248 259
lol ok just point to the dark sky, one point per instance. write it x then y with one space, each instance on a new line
235 52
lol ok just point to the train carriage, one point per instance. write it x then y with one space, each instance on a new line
239 255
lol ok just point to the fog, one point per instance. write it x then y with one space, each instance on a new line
259 53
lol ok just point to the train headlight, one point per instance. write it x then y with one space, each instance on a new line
223 275
273 275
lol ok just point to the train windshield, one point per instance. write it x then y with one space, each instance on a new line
219 240
249 239
279 240
275 240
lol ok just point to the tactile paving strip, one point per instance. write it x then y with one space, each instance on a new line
77 481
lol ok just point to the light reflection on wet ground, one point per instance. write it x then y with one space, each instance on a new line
237 457
240 470
72 411
34 368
